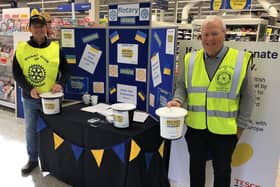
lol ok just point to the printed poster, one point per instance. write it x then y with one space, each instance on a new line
128 53
127 94
170 41
155 67
68 38
90 59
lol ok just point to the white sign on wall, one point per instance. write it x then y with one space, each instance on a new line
16 13
128 10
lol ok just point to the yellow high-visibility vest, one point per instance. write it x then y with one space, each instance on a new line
39 65
214 104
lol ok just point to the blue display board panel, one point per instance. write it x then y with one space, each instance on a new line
127 67
160 92
83 81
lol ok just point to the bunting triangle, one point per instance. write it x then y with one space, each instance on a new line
98 155
77 151
41 124
148 158
161 149
57 141
134 150
119 150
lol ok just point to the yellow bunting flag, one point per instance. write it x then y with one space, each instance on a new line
57 141
142 97
134 150
98 155
113 90
166 71
161 149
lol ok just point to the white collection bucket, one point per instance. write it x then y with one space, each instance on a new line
123 114
171 121
51 102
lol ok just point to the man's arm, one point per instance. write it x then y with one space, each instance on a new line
247 99
63 69
180 92
19 77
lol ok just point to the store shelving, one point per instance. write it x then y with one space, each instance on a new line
184 32
273 33
7 86
238 29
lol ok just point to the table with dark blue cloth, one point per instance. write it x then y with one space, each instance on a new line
133 157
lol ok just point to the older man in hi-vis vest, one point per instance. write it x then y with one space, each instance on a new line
215 84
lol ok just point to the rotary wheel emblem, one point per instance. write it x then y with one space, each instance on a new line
36 73
223 78
113 15
144 13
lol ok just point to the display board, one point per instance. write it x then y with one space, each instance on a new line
141 57
255 160
128 63
162 65
85 52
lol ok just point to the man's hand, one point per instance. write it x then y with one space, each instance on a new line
56 88
174 103
34 93
239 132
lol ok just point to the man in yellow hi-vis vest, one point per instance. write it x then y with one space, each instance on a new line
38 67
215 84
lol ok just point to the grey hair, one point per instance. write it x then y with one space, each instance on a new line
212 19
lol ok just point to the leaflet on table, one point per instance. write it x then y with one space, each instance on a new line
128 53
68 38
90 59
140 116
155 66
96 108
127 94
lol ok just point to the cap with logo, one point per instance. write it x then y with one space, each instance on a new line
37 19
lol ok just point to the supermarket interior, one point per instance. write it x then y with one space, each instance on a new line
133 53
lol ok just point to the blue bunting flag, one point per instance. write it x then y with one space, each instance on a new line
119 150
77 150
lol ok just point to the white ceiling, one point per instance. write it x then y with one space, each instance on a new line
200 10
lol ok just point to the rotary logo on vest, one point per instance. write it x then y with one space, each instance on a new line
224 78
37 75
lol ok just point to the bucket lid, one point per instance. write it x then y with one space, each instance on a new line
171 112
123 106
50 95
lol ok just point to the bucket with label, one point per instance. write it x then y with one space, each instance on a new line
171 121
123 114
51 102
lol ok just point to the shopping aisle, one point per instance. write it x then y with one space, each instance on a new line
13 156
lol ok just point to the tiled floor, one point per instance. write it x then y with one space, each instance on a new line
13 156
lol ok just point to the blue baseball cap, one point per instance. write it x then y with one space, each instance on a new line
37 19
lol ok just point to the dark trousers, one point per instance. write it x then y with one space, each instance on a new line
201 143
